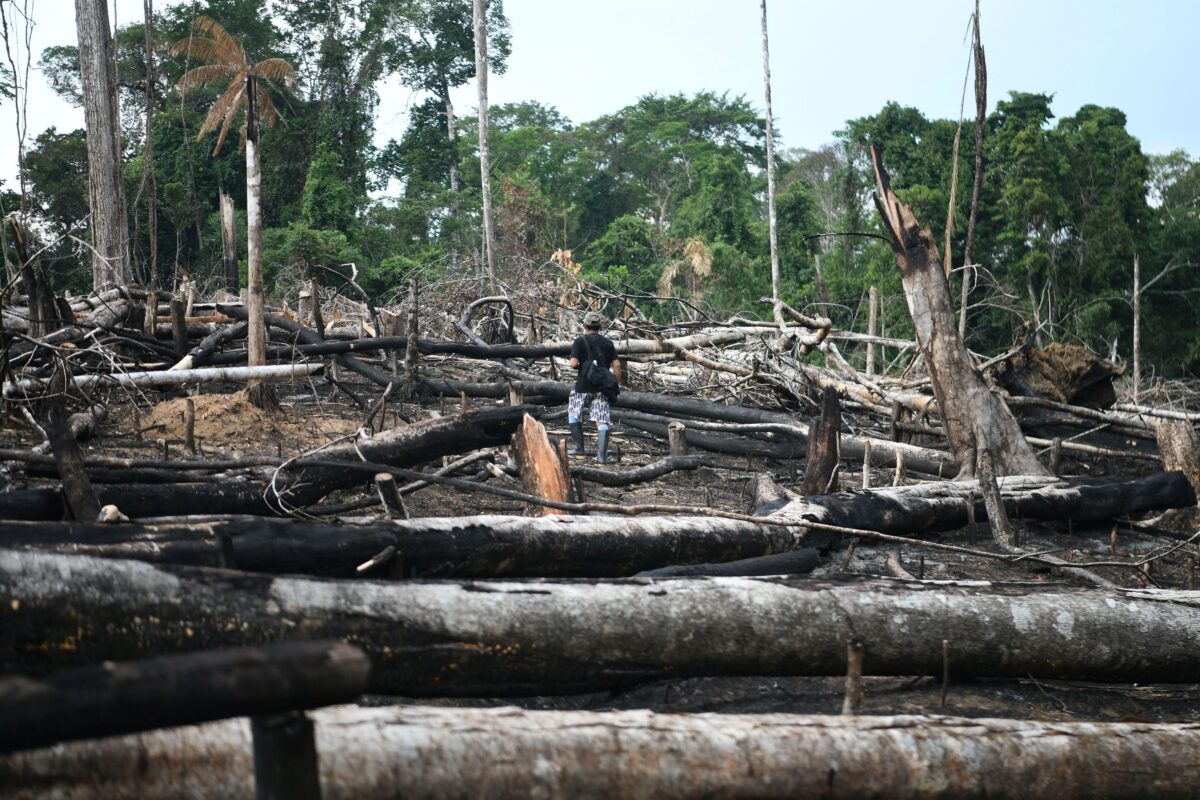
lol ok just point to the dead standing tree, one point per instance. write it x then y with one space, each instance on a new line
978 423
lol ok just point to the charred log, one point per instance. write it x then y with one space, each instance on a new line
546 637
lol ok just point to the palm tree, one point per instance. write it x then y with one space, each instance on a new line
226 63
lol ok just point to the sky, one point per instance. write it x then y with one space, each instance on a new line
831 60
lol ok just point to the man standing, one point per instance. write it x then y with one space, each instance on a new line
593 355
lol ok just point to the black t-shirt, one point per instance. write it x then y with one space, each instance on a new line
602 348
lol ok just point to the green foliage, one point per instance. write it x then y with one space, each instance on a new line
299 252
1066 205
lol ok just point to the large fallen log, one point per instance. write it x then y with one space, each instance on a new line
297 484
947 505
442 547
512 753
490 639
170 378
126 697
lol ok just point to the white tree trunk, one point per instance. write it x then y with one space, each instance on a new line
424 752
106 187
1137 327
256 333
776 294
479 9
174 377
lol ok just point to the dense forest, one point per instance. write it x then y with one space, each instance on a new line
665 197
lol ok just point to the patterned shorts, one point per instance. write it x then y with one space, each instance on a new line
599 411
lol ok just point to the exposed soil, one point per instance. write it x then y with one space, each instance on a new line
230 422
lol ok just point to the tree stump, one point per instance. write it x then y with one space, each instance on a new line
542 471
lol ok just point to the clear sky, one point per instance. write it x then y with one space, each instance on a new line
830 61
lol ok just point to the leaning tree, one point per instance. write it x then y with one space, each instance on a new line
978 423
226 64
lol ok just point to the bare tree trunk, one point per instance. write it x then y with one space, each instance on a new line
479 9
366 753
256 334
776 295
151 181
980 120
975 418
229 243
1137 327
106 188
452 134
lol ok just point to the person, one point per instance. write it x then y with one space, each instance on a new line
592 345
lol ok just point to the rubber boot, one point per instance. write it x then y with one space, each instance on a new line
575 448
602 447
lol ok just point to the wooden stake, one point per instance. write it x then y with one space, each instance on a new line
1056 448
866 471
412 355
463 403
945 670
854 678
179 327
1191 573
385 484
872 322
677 437
900 471
151 316
189 426
1112 540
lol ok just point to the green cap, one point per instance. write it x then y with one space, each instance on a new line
593 319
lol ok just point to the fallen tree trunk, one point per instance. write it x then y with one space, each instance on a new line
492 639
948 505
463 547
883 452
297 484
139 500
367 753
418 443
173 378
116 698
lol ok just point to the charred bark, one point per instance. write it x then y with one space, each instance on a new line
463 547
117 698
510 638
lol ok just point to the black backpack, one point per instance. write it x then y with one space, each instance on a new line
600 378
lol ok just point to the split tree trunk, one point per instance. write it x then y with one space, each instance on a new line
776 294
975 418
542 472
980 121
106 184
510 638
366 753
